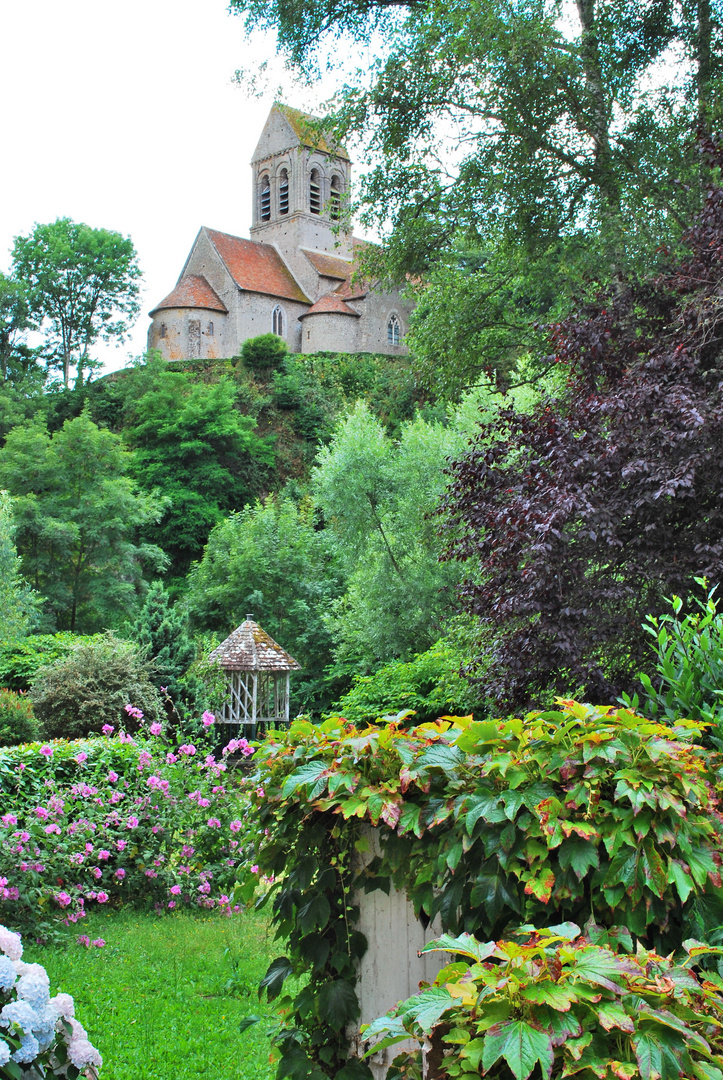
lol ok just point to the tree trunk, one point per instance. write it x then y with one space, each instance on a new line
703 62
598 120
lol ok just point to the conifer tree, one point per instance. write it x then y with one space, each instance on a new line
161 631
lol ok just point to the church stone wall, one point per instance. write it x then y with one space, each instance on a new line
376 309
329 331
255 317
188 334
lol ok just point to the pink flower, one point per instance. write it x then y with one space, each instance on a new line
187 851
107 729
260 792
8 820
47 751
42 813
98 942
171 759
112 777
176 890
81 757
144 758
188 749
132 822
52 829
254 869
120 873
156 728
120 844
97 873
103 855
134 712
84 940
63 899
208 718
236 826
102 897
213 822
171 904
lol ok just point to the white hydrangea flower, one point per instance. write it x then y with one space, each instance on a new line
10 943
64 1005
78 1030
82 1053
28 1050
7 973
34 986
19 1012
4 1052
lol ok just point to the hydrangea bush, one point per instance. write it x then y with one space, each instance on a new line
39 1035
117 819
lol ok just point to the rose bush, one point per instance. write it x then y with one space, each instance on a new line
117 819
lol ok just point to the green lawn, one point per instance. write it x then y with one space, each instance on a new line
164 998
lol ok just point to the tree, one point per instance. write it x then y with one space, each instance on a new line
82 284
563 133
15 321
195 447
270 559
161 633
377 495
18 603
77 513
575 521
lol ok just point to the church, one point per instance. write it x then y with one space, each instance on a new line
295 276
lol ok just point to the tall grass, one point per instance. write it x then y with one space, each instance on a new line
163 999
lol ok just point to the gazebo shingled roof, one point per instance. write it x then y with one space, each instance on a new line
249 648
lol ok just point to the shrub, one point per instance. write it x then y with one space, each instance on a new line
429 685
567 1004
114 820
20 661
17 723
689 664
36 1030
263 352
491 825
77 695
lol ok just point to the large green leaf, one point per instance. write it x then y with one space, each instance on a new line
464 945
314 773
521 1045
314 915
578 854
278 970
337 1004
425 1009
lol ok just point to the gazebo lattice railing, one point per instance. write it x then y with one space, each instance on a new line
257 679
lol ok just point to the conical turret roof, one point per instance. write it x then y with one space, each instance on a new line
249 648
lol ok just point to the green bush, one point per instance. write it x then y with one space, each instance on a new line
565 1003
17 722
429 684
80 693
20 661
263 352
689 664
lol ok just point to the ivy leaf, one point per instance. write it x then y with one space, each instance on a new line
311 772
540 885
654 1057
483 806
613 1015
600 967
521 1045
336 1003
441 756
578 854
315 950
546 992
314 915
278 971
682 881
426 1008
409 819
464 945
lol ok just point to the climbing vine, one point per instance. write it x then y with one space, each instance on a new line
558 816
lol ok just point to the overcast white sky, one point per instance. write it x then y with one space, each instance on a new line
125 116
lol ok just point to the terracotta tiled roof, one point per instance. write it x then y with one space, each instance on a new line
332 302
329 265
305 126
192 292
256 267
249 648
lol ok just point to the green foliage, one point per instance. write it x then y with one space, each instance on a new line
490 825
20 661
205 458
17 721
76 695
377 496
264 351
429 684
271 560
689 663
318 389
18 603
82 284
77 513
161 632
568 1004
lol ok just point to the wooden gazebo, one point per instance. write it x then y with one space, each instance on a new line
257 675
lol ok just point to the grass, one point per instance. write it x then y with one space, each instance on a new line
163 999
